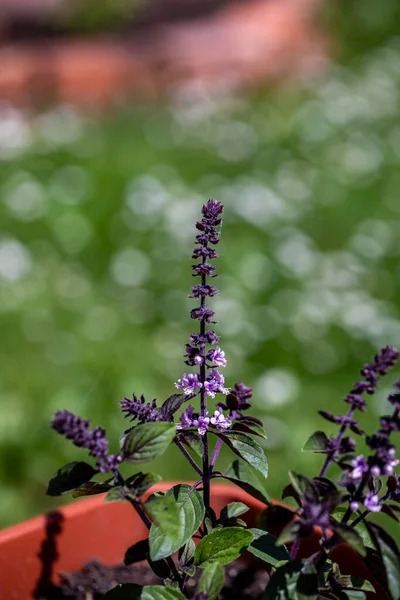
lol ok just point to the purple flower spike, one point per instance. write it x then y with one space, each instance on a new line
371 502
138 409
76 429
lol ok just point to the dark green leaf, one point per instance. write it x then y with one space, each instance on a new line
222 546
159 568
360 528
264 547
248 426
244 476
193 441
131 591
90 489
317 442
137 552
232 510
191 513
351 537
69 477
303 486
212 581
388 510
171 405
116 494
139 483
389 552
248 449
186 553
164 512
148 441
290 582
354 594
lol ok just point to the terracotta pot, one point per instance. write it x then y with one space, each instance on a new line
32 553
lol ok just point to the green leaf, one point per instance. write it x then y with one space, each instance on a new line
212 581
147 441
249 426
290 582
70 477
164 512
131 591
90 489
222 546
354 594
116 494
137 552
361 527
303 486
139 483
191 513
317 442
232 510
248 449
389 552
244 476
171 405
351 537
193 441
264 547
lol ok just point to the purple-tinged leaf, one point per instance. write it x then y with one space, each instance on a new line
69 477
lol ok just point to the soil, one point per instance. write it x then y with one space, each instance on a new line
242 581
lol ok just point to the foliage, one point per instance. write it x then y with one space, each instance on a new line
338 506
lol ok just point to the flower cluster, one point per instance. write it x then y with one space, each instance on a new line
196 353
76 429
138 409
202 422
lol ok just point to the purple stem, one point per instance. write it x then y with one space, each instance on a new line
203 401
214 457
189 458
330 457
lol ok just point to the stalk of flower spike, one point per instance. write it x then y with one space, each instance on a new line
204 383
382 362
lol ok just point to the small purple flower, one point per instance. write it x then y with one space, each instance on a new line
371 502
215 383
186 418
221 422
354 506
190 383
202 423
202 314
360 467
203 290
217 357
204 269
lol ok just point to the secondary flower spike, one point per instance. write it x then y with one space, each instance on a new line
76 429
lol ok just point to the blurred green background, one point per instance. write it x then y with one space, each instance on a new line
96 232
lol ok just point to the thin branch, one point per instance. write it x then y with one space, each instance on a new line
188 457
